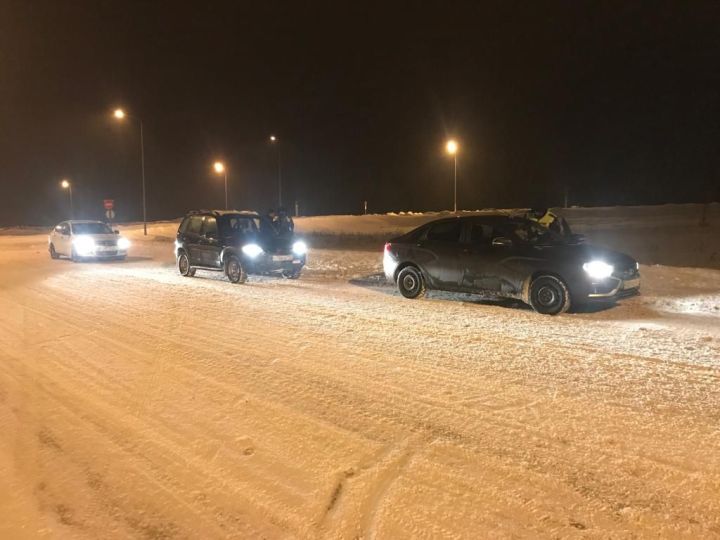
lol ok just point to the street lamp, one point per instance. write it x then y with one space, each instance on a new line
275 141
220 168
452 149
65 184
120 114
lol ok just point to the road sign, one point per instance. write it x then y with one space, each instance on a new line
110 214
109 204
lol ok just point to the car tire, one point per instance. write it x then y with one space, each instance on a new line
291 274
74 256
53 253
234 270
183 265
549 295
410 282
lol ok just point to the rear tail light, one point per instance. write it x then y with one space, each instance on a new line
388 245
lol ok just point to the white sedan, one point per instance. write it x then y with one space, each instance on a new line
86 240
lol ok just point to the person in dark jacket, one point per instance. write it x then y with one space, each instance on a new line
550 220
284 223
267 223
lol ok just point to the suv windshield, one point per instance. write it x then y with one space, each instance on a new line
91 228
234 224
529 232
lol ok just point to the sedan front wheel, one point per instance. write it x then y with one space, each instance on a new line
549 295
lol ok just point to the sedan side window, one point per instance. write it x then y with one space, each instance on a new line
481 234
446 231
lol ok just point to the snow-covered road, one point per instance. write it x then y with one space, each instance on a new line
137 403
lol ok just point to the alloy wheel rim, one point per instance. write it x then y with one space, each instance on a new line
183 264
547 296
234 270
409 282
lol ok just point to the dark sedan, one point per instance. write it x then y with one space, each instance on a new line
509 257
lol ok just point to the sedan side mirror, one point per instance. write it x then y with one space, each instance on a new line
502 241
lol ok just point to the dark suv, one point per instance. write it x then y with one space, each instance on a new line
237 243
509 257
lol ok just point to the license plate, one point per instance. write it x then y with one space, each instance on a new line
631 283
279 258
106 248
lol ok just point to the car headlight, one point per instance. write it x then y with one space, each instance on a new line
252 250
598 269
123 243
299 248
84 245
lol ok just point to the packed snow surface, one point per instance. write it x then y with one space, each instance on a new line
135 403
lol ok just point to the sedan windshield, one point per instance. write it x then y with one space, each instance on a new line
94 227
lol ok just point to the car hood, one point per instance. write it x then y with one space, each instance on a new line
582 253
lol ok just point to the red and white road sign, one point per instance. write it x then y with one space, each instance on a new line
109 204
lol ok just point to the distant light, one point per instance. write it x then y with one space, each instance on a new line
219 167
119 114
65 184
451 147
273 138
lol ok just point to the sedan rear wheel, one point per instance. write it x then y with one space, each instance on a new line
549 295
53 253
410 282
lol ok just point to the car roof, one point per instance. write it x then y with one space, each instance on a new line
218 213
76 221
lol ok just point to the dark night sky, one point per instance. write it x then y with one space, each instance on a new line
619 101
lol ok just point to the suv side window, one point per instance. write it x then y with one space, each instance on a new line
195 225
446 231
184 225
210 227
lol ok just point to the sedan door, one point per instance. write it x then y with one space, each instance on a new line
438 254
479 259
62 239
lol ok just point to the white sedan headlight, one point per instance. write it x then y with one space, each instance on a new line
123 243
84 245
252 250
299 248
598 269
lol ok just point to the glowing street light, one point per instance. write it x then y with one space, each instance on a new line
120 115
65 184
220 168
452 148
275 141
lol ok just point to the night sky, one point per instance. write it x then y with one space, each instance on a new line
617 101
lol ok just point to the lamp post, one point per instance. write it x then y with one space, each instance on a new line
452 149
220 168
275 141
120 114
65 184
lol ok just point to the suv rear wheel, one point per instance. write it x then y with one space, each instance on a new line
549 295
410 282
234 270
183 265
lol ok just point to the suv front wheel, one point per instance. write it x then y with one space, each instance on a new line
234 270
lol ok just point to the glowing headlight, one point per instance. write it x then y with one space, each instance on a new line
123 243
252 250
84 245
299 248
598 269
